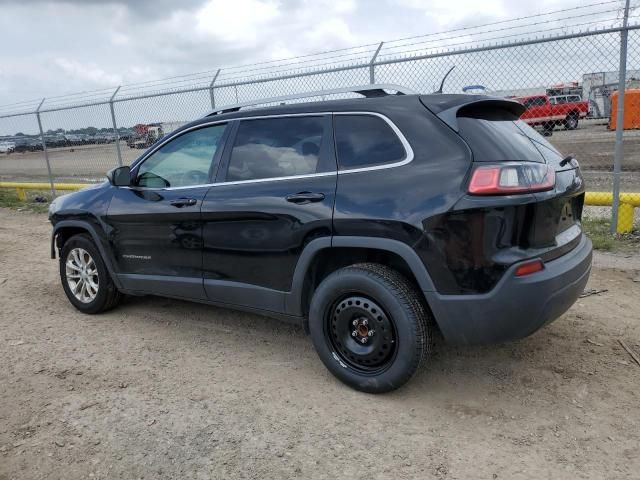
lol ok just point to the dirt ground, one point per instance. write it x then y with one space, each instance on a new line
160 389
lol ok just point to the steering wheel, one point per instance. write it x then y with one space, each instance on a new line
194 177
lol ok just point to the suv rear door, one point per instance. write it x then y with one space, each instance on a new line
274 194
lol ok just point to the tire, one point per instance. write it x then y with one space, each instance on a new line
402 337
79 250
571 122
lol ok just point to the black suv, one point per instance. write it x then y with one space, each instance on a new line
370 221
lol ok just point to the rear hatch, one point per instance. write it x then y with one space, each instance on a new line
495 136
518 224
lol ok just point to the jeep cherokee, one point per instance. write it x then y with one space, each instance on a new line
369 221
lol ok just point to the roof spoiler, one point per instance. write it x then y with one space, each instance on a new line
475 107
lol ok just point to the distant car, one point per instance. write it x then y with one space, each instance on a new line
104 138
74 139
56 141
548 112
7 147
26 144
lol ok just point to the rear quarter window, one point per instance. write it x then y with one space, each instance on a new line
365 141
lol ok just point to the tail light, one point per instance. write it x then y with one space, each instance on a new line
529 268
512 178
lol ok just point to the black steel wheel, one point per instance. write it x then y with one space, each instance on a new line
362 334
370 327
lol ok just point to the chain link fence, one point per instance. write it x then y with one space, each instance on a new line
567 77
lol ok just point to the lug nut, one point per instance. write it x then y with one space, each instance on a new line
365 322
355 323
354 333
364 340
371 332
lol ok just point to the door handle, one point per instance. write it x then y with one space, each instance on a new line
302 198
183 202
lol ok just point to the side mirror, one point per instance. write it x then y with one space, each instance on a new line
120 176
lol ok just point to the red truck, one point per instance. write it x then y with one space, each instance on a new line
549 111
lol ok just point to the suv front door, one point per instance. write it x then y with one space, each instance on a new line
274 194
156 223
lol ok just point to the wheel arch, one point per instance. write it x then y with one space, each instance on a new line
65 229
323 256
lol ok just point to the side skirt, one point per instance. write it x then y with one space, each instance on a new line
291 319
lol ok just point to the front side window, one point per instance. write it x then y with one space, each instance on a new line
366 140
276 147
182 162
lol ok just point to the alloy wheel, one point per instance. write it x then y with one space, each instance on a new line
82 275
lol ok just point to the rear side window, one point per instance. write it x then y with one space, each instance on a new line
497 135
364 141
276 147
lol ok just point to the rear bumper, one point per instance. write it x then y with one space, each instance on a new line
517 306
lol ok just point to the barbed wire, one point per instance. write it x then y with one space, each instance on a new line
345 57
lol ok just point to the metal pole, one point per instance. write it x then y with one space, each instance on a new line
211 92
619 151
372 72
115 127
235 87
44 149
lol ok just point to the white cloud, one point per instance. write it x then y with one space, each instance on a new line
445 12
61 47
120 39
237 21
331 33
87 72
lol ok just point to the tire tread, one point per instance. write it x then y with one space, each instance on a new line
416 313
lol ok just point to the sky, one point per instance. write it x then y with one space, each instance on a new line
54 48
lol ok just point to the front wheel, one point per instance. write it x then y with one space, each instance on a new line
85 278
369 327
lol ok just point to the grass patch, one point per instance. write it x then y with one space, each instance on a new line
597 229
9 199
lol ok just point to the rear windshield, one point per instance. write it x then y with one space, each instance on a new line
497 136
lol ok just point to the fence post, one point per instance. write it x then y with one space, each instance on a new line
211 91
619 152
44 149
115 127
372 66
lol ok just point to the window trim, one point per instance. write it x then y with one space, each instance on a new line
409 155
